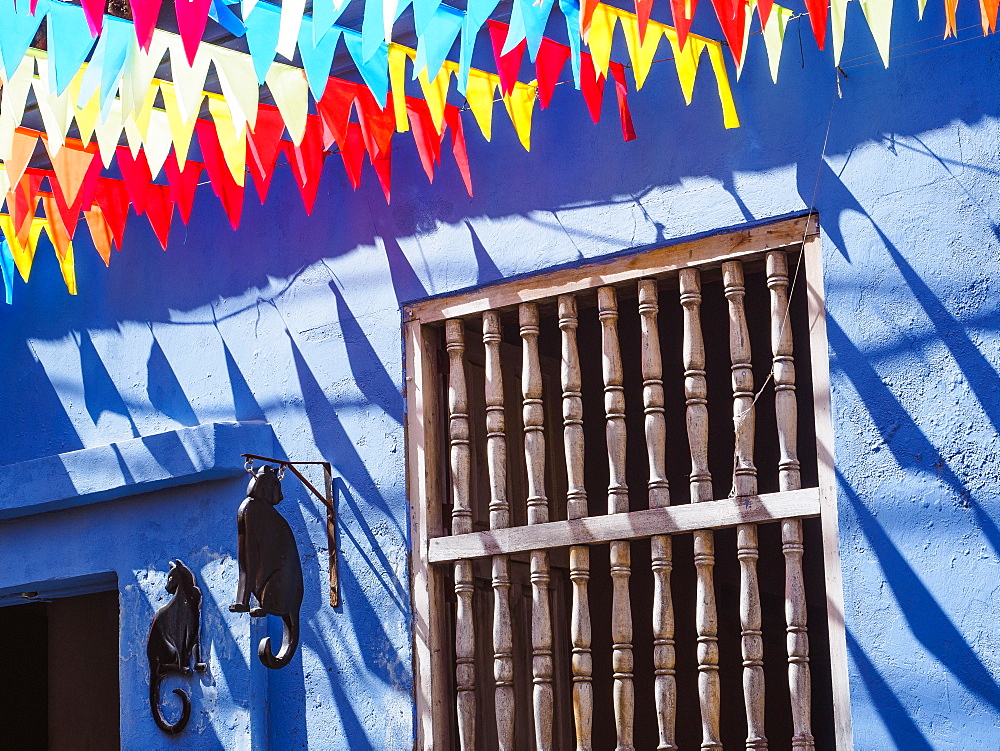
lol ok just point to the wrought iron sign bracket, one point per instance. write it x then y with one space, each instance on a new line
326 499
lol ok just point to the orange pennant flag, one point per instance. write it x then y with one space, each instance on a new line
20 153
60 241
950 24
22 203
100 232
988 10
71 164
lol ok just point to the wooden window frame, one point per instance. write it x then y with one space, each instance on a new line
424 439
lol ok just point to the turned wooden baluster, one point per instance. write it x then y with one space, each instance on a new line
538 513
576 508
621 564
665 687
744 484
461 523
496 456
788 478
706 618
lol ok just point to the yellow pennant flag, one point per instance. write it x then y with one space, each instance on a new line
838 24
878 13
86 117
137 123
110 131
774 37
602 29
729 117
480 95
640 53
23 255
181 130
157 142
397 78
15 96
436 94
232 138
238 81
290 90
686 60
67 265
520 104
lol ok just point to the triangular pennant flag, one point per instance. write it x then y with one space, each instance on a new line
291 21
586 14
112 198
373 31
747 21
878 13
425 136
774 36
621 89
549 62
375 70
160 212
238 82
480 95
22 202
436 94
62 242
181 129
683 13
262 37
335 108
70 209
838 25
729 117
531 16
642 10
137 177
220 13
15 96
4 185
817 10
641 50
602 29
71 165
290 91
453 119
137 123
520 104
686 61
764 11
93 10
157 141
68 48
7 268
25 141
377 124
229 193
509 63
423 13
383 169
114 44
263 146
232 138
592 87
189 80
183 184
477 12
140 69
100 232
950 24
571 11
437 39
324 16
144 15
109 132
397 80
16 32
306 160
734 24
353 153
317 57
23 252
988 11
192 15
56 109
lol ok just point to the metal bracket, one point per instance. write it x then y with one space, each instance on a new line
331 512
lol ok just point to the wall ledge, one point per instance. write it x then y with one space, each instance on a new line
140 465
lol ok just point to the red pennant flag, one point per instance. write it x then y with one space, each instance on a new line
509 65
642 11
549 63
228 192
22 203
352 150
71 165
137 177
192 15
453 119
183 184
621 89
335 109
263 147
383 167
591 86
100 232
732 19
377 124
144 15
160 211
112 198
682 21
818 10
59 234
21 152
587 15
70 212
93 10
307 160
425 135
764 11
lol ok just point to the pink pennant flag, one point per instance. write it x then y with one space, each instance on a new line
192 15
93 11
509 65
144 15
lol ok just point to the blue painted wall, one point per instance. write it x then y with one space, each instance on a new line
295 322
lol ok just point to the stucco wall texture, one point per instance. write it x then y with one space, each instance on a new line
296 321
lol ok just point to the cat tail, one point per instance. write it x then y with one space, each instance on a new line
289 641
154 705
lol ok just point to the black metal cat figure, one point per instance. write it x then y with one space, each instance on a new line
173 642
270 569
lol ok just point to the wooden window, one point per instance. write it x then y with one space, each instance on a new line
622 511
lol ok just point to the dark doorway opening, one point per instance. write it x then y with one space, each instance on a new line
61 687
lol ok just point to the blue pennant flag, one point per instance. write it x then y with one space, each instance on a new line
7 268
373 31
435 43
262 37
220 13
571 9
117 37
423 12
68 46
477 13
376 70
324 17
527 21
17 29
317 59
